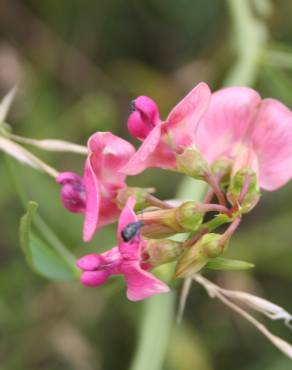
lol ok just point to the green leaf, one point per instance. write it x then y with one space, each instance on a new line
40 257
220 263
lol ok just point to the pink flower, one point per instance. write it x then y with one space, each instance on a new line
72 191
251 131
163 139
94 194
122 260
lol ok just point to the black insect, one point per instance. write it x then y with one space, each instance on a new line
130 231
132 106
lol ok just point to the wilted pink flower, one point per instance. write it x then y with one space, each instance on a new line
162 140
98 188
250 131
122 260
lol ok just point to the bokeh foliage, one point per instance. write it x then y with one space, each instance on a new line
80 63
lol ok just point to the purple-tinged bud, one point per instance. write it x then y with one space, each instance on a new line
158 252
73 193
143 118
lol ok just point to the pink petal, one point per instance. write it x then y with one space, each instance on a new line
94 278
90 262
227 121
272 141
127 216
143 158
184 117
246 158
108 212
110 153
141 284
129 250
92 201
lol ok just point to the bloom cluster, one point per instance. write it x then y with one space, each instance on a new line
232 139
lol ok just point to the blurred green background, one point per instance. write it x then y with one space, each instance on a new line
79 64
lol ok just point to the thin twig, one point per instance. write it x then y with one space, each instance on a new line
213 291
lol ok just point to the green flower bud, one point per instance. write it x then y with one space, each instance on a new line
160 223
163 223
140 195
212 245
191 163
244 190
196 257
188 216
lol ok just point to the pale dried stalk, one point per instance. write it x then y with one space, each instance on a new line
6 103
51 145
22 155
183 298
215 291
267 308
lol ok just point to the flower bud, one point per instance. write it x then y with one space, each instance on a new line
244 190
143 118
72 192
158 252
163 223
160 223
188 216
196 257
191 163
140 194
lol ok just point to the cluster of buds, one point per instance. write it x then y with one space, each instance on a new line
232 139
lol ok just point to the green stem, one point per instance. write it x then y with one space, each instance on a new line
277 58
217 221
158 317
250 36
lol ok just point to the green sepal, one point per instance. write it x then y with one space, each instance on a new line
188 217
220 263
236 186
192 163
140 194
194 258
